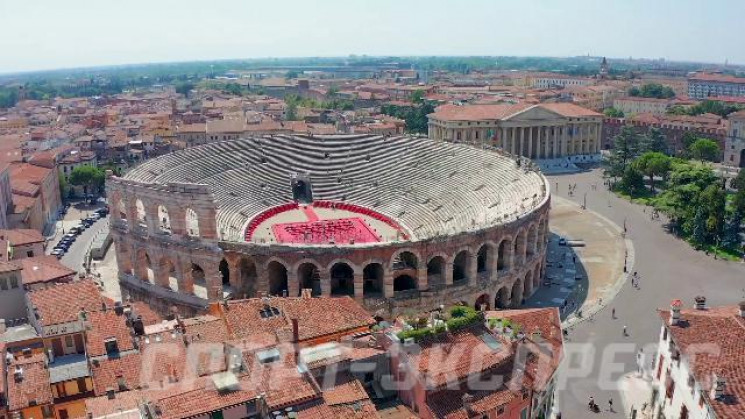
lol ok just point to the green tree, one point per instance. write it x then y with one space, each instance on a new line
291 112
634 91
653 140
184 88
632 181
738 182
613 113
713 199
653 164
89 177
699 227
705 150
292 74
417 96
731 236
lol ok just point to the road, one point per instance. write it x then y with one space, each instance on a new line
75 255
597 353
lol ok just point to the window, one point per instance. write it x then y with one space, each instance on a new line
13 282
68 341
30 253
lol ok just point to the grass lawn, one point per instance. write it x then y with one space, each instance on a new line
721 253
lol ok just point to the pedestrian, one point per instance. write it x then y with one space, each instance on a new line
610 405
625 331
613 313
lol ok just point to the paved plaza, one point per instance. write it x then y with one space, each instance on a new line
598 355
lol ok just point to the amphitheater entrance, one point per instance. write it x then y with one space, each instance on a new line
503 255
309 278
484 259
436 272
516 296
460 267
342 279
197 274
224 272
528 282
372 277
518 255
532 245
277 275
249 277
404 283
149 273
167 273
502 300
483 300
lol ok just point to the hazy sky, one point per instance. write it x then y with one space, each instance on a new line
46 34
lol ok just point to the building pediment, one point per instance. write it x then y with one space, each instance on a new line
534 114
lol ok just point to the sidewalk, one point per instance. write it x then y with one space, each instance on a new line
636 392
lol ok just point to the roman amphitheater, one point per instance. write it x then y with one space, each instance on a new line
400 223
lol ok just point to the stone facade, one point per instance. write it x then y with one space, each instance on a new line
167 241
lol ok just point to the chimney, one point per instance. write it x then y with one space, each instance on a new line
468 404
295 331
675 312
742 309
110 394
18 373
700 302
717 387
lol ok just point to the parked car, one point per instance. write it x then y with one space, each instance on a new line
77 229
58 253
102 211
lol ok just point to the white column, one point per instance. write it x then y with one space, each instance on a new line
565 140
530 143
598 135
520 142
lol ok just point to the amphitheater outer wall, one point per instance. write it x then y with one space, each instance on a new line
161 259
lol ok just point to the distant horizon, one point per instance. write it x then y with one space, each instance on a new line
47 36
104 67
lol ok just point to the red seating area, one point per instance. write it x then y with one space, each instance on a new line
343 230
359 236
362 210
271 212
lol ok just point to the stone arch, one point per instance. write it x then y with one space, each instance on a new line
309 276
532 243
502 298
141 213
197 274
124 257
143 266
167 276
404 282
516 294
373 276
537 276
192 222
528 284
482 299
504 254
121 206
342 279
542 233
224 269
436 270
405 259
485 258
248 277
461 265
164 221
518 257
277 276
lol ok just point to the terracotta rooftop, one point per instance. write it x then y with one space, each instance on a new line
33 388
106 325
316 317
41 269
63 303
724 328
21 236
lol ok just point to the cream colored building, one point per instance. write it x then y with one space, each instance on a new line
637 105
734 144
543 131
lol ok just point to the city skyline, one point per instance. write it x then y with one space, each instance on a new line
88 34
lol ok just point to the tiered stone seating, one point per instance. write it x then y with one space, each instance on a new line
430 188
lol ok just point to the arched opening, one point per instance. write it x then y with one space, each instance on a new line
516 296
249 277
436 271
124 257
167 274
537 277
460 266
528 290
504 254
404 283
277 274
149 267
192 223
484 258
224 272
483 300
141 214
309 278
405 260
197 274
542 231
342 279
502 300
372 277
164 222
519 255
532 245
122 208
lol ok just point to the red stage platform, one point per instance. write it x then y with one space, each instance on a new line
342 231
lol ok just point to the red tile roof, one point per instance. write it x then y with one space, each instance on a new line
722 78
63 303
476 112
107 372
725 329
316 317
41 269
33 387
107 325
21 236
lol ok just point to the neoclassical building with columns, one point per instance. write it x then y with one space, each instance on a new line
543 131
399 223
